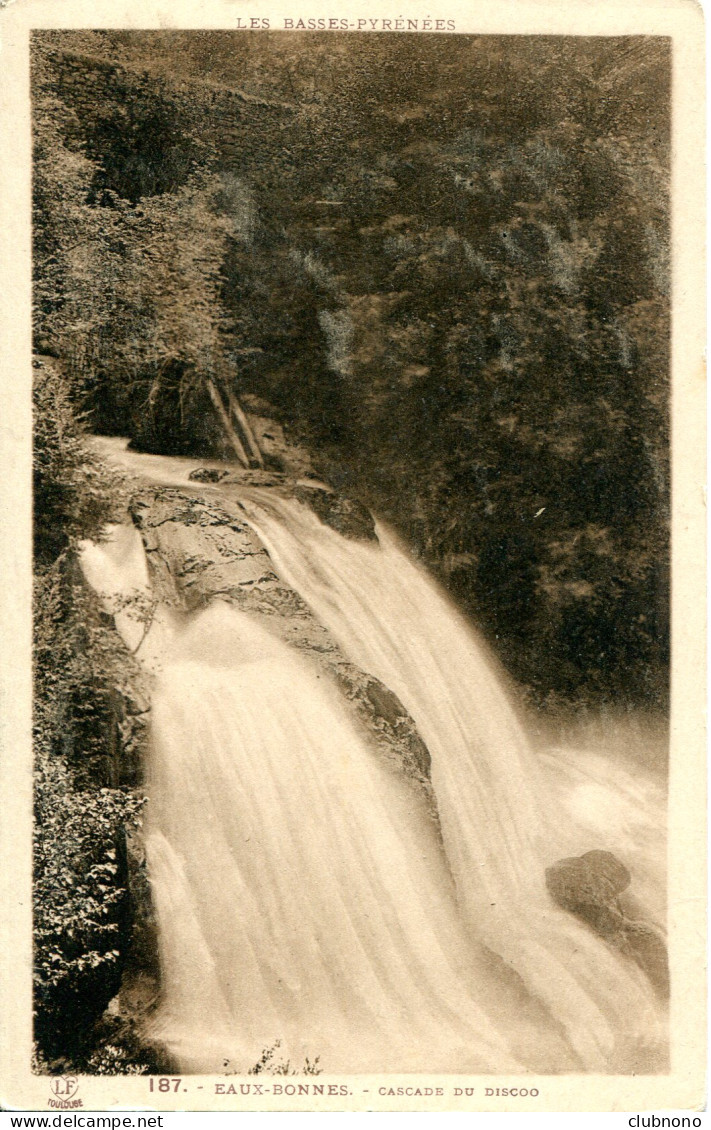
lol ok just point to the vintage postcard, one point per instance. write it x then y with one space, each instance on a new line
353 557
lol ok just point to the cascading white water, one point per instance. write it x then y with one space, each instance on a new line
300 887
303 895
501 818
117 569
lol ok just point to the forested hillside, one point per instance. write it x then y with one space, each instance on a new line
438 261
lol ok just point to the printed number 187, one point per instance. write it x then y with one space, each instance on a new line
163 1084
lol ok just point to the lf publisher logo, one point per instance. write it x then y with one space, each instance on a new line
65 1086
64 1089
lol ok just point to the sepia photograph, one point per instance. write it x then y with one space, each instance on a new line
352 620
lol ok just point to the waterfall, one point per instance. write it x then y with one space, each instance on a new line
299 895
502 820
302 893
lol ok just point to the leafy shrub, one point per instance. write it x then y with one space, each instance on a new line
80 667
113 1047
80 901
73 493
268 1065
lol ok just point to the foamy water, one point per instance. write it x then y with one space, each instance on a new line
506 814
302 893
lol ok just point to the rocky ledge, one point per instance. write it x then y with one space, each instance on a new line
345 515
201 551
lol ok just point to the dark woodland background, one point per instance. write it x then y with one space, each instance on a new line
440 262
440 259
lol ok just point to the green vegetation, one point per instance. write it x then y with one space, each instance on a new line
440 261
82 805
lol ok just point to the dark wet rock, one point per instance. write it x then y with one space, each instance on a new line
646 945
128 732
589 886
266 478
144 928
383 715
206 475
385 703
587 882
345 515
125 711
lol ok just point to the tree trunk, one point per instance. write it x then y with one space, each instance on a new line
226 422
241 417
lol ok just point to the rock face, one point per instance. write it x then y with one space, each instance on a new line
345 515
199 551
256 478
589 886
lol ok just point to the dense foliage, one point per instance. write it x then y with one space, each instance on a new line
440 260
82 811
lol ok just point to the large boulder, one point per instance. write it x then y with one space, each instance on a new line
589 886
206 475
